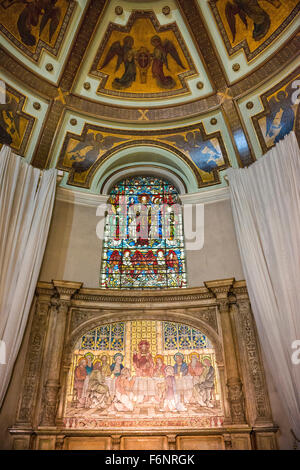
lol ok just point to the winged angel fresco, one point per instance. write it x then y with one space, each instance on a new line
281 119
203 153
127 55
252 10
93 144
35 11
9 120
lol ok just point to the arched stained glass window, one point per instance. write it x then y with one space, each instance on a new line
143 245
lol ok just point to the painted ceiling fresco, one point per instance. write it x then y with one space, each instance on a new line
213 82
281 107
252 25
36 25
82 155
143 59
144 374
15 125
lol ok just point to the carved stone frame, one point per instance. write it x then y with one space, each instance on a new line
221 310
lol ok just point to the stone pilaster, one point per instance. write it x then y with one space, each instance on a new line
33 364
59 311
236 399
259 405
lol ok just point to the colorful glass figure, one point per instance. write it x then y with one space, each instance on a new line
143 242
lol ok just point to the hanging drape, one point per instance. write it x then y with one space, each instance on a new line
26 203
266 208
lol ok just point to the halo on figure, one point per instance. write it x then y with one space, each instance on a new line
194 354
206 357
89 354
118 354
179 354
159 356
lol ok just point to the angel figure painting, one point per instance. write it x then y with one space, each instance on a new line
142 374
35 23
206 154
279 120
252 24
15 126
83 154
144 59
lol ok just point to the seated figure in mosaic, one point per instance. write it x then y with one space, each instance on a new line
203 389
97 395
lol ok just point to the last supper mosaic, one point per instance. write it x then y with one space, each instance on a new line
143 373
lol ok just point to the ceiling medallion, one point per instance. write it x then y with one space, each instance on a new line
200 85
249 105
36 105
213 121
87 85
166 10
73 121
118 10
236 67
49 67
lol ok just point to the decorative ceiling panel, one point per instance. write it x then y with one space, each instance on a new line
203 145
142 54
273 111
39 32
143 58
247 32
21 117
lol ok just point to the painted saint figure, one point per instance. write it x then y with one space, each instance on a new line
97 391
195 367
124 395
117 366
143 360
203 390
79 379
105 369
180 367
282 106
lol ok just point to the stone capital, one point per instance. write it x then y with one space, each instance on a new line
66 289
220 288
44 291
240 291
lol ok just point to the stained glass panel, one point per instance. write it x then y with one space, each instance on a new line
143 244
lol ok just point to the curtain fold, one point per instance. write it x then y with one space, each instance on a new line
26 202
265 199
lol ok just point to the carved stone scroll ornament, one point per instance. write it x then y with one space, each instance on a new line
33 364
253 362
236 400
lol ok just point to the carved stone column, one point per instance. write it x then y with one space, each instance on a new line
234 385
59 310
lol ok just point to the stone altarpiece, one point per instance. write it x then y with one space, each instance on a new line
63 312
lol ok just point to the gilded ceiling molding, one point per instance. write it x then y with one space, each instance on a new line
87 27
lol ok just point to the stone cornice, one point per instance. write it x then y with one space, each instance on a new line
203 296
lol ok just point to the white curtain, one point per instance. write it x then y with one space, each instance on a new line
26 203
266 207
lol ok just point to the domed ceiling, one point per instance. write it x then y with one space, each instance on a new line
95 87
